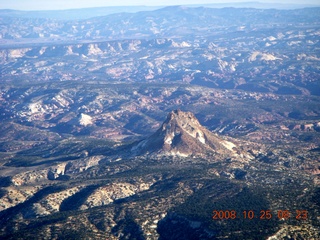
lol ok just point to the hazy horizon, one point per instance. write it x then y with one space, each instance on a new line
72 4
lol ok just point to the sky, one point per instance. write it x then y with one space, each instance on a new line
70 4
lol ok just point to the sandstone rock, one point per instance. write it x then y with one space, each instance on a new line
182 135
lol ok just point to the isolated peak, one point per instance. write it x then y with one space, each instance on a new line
182 117
181 114
181 134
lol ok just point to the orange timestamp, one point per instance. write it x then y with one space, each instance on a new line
262 214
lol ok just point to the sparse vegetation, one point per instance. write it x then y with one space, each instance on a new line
86 150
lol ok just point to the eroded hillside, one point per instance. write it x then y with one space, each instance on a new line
179 123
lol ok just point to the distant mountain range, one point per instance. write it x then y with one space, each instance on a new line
73 14
92 145
84 13
264 50
172 21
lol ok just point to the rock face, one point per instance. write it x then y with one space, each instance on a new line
181 134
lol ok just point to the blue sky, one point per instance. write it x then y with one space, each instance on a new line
68 4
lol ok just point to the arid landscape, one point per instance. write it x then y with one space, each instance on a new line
183 122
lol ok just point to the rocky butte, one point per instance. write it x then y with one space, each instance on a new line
182 135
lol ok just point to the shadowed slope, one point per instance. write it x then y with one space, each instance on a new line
181 134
